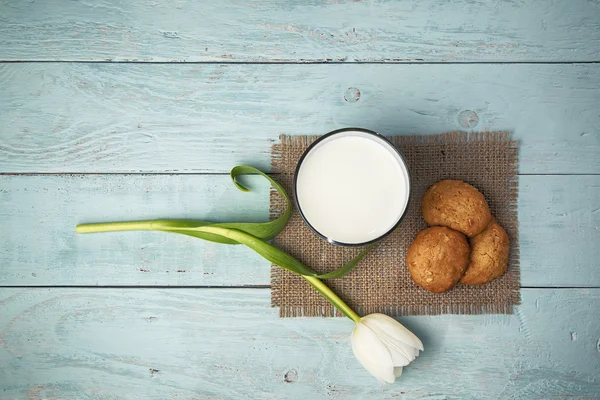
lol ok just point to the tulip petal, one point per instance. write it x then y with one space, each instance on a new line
372 354
401 354
398 371
383 323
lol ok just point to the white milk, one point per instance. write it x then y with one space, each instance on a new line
352 187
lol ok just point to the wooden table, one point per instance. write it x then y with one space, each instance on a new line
122 110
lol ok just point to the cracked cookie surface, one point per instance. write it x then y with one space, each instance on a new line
437 258
489 255
457 205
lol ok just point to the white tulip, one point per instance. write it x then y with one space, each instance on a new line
383 346
380 343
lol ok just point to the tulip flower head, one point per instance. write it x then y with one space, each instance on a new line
383 346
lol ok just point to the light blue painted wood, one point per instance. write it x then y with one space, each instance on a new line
40 246
99 343
559 228
206 118
301 31
229 344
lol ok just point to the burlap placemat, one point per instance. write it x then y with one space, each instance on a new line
381 282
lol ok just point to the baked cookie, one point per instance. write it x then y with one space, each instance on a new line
438 257
457 205
489 255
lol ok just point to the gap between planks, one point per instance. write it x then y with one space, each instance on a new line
303 62
138 287
231 287
146 173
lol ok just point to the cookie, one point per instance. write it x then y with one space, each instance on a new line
457 205
489 255
437 258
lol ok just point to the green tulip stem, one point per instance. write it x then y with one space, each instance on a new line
253 235
115 227
333 298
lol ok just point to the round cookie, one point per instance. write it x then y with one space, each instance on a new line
489 255
457 205
437 258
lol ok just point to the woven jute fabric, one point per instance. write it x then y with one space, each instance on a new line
381 282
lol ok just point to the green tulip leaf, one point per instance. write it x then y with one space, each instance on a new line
253 235
348 267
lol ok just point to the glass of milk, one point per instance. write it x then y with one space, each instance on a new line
352 187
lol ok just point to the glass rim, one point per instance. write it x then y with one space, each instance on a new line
385 141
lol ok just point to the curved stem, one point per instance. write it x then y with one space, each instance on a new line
333 298
268 251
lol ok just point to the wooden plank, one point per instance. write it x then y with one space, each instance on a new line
63 117
213 344
559 228
40 246
300 31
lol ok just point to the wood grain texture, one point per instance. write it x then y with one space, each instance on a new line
229 344
40 246
559 228
301 31
63 117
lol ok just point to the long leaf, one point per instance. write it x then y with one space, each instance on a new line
262 230
279 257
252 235
346 268
268 251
